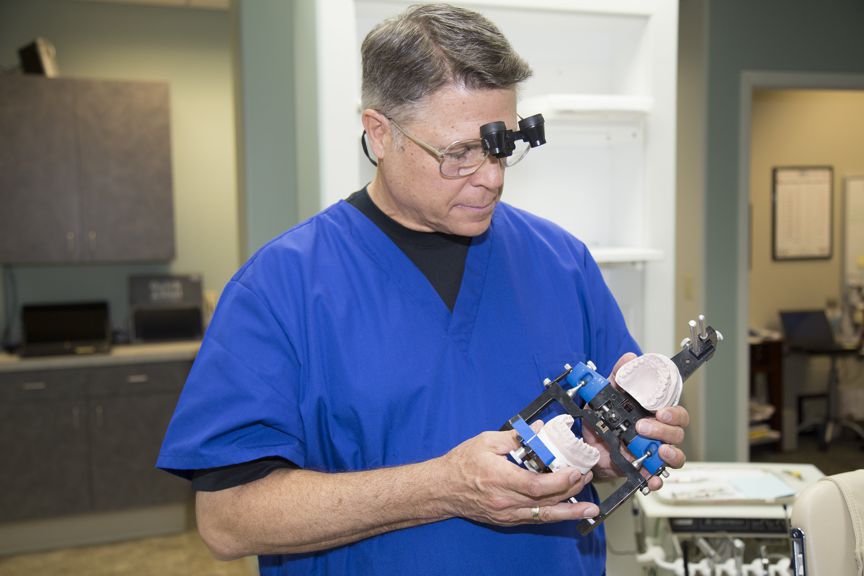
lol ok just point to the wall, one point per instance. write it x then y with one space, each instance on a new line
783 35
690 201
788 128
264 88
190 49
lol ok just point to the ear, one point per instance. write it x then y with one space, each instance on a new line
377 131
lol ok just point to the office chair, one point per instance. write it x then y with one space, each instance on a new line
809 332
828 527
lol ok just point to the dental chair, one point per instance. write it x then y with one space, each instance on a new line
828 527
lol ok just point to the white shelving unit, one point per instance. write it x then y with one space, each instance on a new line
604 79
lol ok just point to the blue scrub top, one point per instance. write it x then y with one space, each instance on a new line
331 349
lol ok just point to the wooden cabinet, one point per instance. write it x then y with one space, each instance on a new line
766 386
43 440
38 172
130 407
86 439
85 171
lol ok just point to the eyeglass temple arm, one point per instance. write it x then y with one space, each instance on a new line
366 149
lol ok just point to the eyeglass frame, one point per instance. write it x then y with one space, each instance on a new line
440 154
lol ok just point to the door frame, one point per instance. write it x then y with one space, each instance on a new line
752 80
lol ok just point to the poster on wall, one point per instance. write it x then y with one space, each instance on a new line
853 231
801 199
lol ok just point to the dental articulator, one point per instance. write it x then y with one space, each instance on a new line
644 385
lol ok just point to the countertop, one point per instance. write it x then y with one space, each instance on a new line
120 354
794 475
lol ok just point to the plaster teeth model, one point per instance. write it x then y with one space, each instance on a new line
652 379
569 451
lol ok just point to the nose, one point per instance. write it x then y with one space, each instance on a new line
490 175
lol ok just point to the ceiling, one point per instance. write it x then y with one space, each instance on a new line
205 4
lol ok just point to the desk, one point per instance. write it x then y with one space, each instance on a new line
766 361
796 476
667 533
833 421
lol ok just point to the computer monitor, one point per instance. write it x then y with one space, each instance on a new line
71 328
808 330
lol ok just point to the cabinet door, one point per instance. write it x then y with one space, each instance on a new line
130 409
38 171
124 137
44 446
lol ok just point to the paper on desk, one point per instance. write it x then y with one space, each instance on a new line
725 486
765 486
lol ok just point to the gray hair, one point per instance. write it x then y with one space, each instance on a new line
429 47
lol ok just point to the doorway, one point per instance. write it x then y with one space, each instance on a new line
795 120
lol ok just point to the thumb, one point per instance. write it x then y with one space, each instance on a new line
621 361
507 441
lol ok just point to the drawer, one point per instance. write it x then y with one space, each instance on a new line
766 353
135 379
39 385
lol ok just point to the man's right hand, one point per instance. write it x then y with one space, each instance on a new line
489 488
296 511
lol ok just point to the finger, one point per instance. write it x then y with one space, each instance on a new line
674 457
621 361
560 512
655 483
501 443
674 416
505 442
651 428
550 488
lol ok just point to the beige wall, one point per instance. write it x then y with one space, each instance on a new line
799 127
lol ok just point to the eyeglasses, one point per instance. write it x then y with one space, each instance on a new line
463 157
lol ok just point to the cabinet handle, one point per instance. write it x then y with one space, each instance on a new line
91 238
70 241
76 417
137 378
33 386
99 416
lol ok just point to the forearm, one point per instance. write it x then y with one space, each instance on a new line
295 511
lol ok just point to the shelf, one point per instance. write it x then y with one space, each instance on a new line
760 411
607 175
578 106
762 434
615 255
767 439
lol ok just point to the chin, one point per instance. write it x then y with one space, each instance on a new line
471 228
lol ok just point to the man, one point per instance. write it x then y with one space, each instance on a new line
341 414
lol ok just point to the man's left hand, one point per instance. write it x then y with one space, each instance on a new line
667 426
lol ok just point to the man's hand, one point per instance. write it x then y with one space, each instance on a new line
489 488
667 426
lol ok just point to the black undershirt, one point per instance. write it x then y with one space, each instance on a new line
441 257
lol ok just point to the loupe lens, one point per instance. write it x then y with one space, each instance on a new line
520 149
533 130
494 135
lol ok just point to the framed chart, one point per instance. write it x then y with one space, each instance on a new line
801 200
853 230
